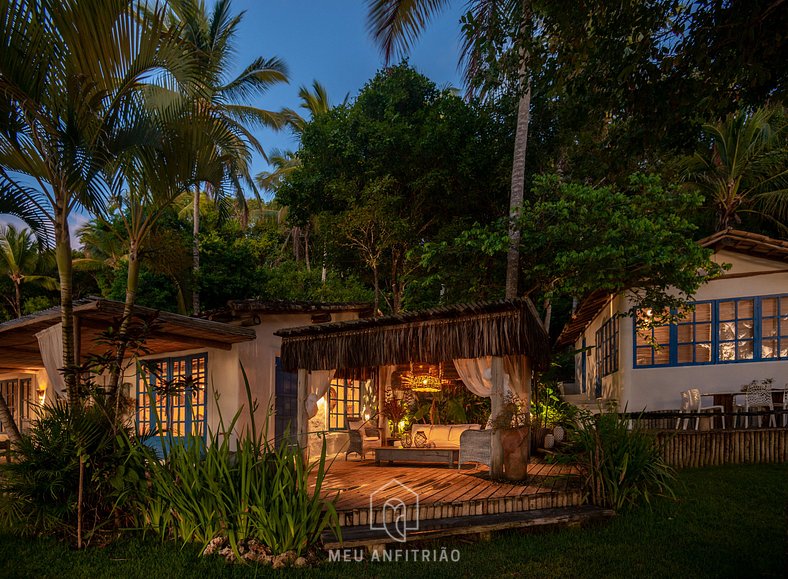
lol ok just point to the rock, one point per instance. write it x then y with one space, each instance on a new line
286 559
300 562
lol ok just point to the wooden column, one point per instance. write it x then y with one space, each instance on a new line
302 418
496 402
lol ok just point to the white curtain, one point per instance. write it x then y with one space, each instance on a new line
476 374
319 381
50 344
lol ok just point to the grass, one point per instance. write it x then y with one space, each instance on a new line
726 522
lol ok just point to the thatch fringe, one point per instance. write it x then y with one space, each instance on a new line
472 331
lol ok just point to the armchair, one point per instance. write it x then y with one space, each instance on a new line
362 437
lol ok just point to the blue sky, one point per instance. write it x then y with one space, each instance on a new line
326 40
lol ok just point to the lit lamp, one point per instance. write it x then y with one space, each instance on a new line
419 380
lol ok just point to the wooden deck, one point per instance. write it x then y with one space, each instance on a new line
441 492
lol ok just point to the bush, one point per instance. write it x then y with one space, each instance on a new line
621 463
250 490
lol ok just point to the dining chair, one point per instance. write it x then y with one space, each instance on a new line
686 408
696 401
784 406
757 395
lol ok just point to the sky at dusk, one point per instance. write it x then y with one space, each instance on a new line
328 41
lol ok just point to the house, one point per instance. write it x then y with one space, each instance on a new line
204 354
737 332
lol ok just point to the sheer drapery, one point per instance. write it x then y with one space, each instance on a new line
50 344
319 381
476 374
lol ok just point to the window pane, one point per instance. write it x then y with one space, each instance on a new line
769 307
727 351
727 330
703 333
746 308
703 352
769 348
769 327
727 310
745 351
703 313
662 355
784 326
745 330
685 354
685 333
662 334
644 356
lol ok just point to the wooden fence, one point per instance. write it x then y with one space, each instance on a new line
692 448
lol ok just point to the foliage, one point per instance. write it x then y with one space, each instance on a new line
742 167
403 164
578 238
43 478
549 409
24 261
212 487
454 404
621 463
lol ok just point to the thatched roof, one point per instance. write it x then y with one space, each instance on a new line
431 336
172 332
321 311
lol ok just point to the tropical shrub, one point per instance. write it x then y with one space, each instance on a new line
549 409
620 462
211 488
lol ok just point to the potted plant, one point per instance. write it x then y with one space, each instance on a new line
514 423
394 410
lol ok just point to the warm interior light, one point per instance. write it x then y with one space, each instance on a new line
424 378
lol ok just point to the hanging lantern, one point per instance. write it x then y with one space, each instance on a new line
421 379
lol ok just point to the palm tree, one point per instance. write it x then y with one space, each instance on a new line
395 24
212 35
75 75
743 167
22 260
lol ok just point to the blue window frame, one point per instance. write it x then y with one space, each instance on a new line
177 392
607 347
746 329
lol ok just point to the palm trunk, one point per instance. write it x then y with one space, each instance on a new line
8 422
64 268
18 299
518 169
196 254
132 281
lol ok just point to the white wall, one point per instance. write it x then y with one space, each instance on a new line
660 388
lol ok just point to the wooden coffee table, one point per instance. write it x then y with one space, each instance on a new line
415 454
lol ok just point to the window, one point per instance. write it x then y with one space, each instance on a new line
694 335
774 328
344 400
178 392
607 347
719 332
17 393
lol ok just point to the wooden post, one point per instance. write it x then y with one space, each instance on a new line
382 421
496 403
302 419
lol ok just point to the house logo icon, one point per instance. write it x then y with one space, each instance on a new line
394 508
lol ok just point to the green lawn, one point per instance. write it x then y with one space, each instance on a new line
727 522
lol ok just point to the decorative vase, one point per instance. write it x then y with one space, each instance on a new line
420 440
407 441
516 452
559 433
549 441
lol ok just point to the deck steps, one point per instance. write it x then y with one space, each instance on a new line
364 536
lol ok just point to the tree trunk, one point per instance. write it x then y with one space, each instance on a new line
548 314
306 248
64 268
18 298
132 281
80 492
518 168
8 422
196 254
376 284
